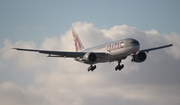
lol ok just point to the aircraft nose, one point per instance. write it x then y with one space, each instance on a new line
135 43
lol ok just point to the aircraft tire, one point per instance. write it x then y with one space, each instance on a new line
119 67
116 68
122 66
91 68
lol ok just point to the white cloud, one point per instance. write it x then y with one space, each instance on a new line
13 94
66 82
174 38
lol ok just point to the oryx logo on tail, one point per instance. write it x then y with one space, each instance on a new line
77 42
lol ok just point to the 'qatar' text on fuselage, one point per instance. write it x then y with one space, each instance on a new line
114 46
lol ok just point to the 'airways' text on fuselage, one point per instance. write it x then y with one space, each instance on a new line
114 46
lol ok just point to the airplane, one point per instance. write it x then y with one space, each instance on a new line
109 52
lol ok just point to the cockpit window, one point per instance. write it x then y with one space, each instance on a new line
134 42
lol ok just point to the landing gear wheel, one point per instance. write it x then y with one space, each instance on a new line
119 67
122 66
91 67
116 68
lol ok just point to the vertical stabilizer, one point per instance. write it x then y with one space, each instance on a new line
77 42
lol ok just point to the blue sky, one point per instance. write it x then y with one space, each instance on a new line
33 79
32 20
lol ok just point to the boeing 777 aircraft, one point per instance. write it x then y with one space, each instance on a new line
109 52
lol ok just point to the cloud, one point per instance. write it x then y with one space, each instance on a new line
66 82
13 94
174 38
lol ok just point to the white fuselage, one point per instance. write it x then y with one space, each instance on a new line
116 50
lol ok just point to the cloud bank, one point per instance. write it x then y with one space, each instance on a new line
28 78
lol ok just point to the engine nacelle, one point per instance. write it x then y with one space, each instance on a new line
140 57
89 58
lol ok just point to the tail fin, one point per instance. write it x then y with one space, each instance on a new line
77 42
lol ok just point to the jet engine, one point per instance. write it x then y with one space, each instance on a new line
140 57
89 58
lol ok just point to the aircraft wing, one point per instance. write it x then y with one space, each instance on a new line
155 48
61 53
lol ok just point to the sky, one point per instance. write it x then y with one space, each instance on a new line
28 78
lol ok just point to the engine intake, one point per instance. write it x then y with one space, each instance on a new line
140 57
89 58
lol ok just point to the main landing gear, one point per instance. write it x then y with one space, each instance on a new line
119 67
91 67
